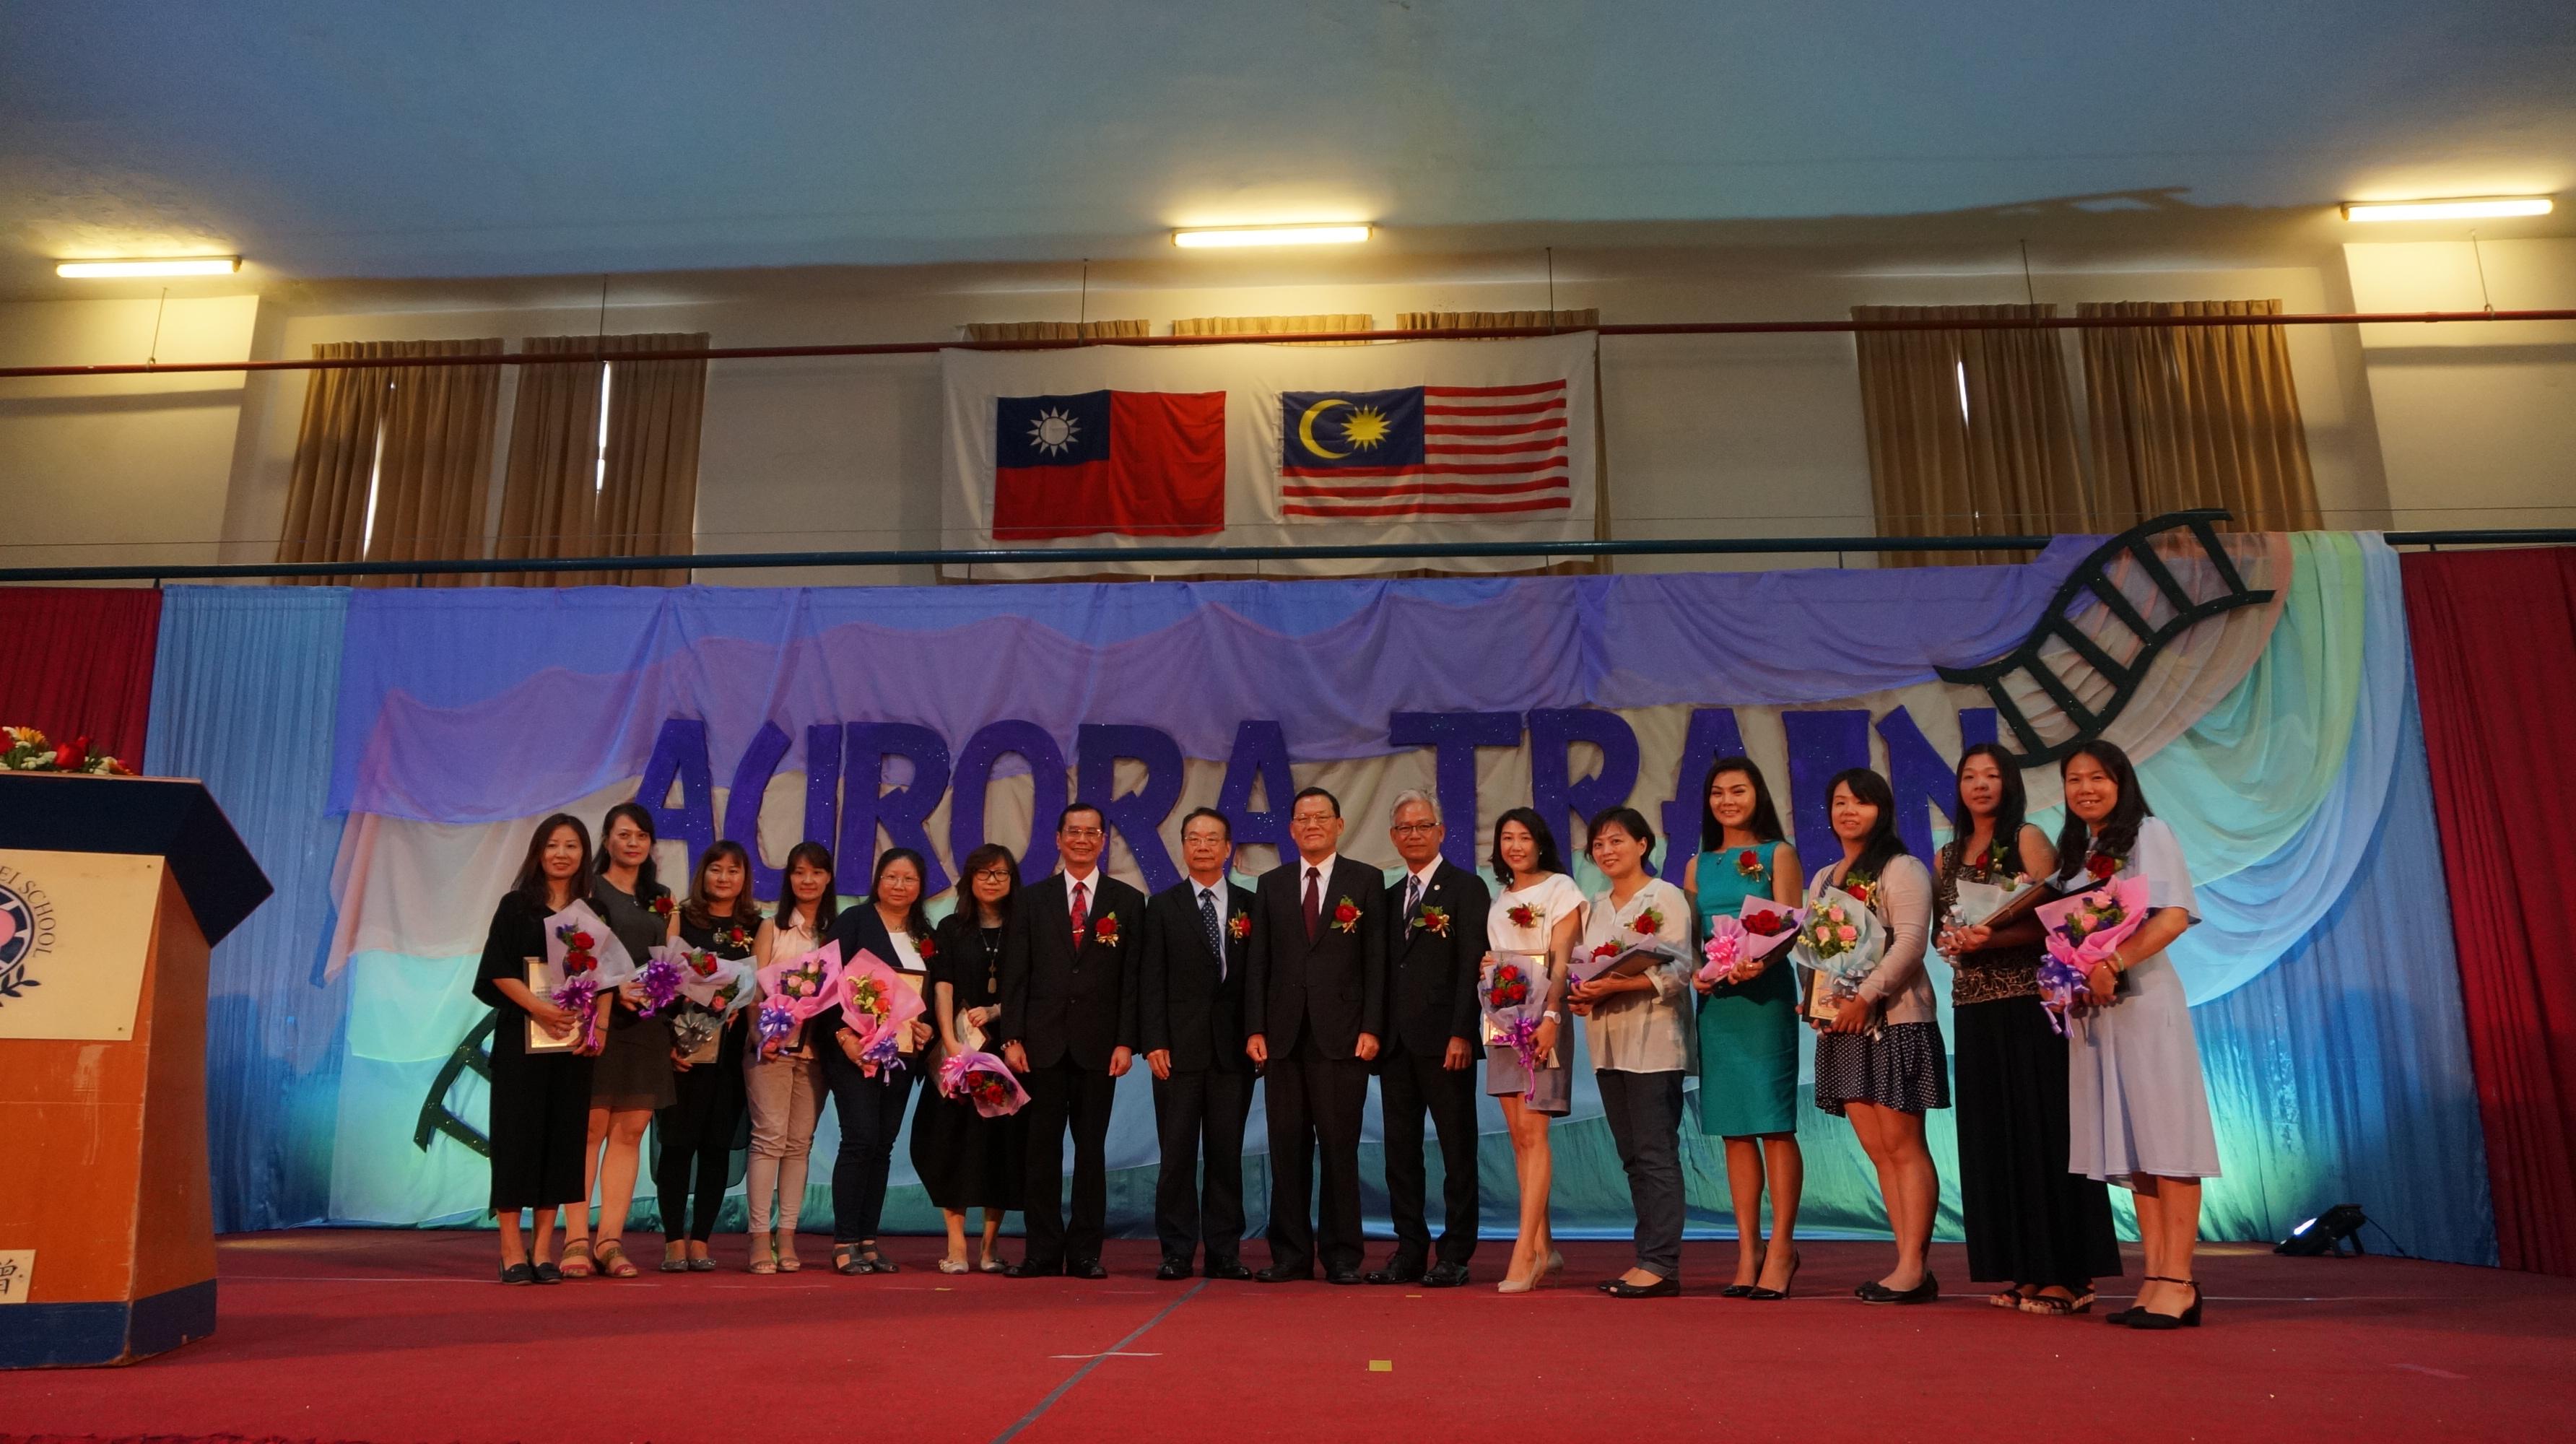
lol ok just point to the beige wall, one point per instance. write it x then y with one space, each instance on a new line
1707 436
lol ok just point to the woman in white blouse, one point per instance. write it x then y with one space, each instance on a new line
782 1079
1532 926
1880 1061
1637 1026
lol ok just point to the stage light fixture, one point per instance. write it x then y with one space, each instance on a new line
2327 1233
2450 210
150 266
1271 236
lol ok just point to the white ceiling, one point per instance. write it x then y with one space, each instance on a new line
582 136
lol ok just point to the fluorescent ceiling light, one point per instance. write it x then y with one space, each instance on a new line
2454 210
1272 236
153 266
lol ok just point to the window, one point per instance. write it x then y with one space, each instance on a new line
599 476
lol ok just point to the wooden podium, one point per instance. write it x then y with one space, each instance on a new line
111 892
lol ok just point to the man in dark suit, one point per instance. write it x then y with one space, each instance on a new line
1314 1010
1189 1027
1435 919
1065 964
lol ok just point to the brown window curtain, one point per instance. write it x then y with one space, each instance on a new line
559 501
2003 463
2194 416
417 440
1053 330
1582 320
1274 325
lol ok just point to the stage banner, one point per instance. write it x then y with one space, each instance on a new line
1265 445
2261 680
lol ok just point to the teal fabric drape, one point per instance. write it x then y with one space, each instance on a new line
242 699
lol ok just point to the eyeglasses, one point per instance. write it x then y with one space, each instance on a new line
1414 829
994 874
1084 832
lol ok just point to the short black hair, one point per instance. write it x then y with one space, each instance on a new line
1628 820
1305 792
1071 808
1195 813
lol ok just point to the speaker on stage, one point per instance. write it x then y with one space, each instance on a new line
112 890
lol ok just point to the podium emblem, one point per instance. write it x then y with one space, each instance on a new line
26 928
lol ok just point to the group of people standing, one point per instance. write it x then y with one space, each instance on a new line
1325 974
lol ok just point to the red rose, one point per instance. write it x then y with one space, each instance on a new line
662 905
1766 922
927 949
1522 915
69 756
1606 950
1859 891
1104 929
1748 863
1240 925
581 942
2101 867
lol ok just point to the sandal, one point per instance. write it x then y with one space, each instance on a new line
879 1264
954 1266
846 1259
576 1259
764 1254
990 1265
2056 1307
788 1262
613 1260
2012 1298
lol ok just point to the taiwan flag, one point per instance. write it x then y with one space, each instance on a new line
1126 463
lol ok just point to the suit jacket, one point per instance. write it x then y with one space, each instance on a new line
1181 1001
1434 977
1059 1001
1335 985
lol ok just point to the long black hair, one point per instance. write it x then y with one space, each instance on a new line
647 880
2119 834
2012 809
1882 846
1548 860
531 882
916 921
745 911
1630 821
1764 824
828 906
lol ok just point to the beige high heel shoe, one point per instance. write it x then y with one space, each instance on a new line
788 1262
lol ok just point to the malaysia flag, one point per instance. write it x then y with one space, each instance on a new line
1122 463
1424 451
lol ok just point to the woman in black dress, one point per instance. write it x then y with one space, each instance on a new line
965 1159
634 1076
866 1099
2044 1231
697 1132
539 1101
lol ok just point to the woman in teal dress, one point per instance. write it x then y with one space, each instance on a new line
1748 1028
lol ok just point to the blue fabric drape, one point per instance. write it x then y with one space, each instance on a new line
2341 1073
242 699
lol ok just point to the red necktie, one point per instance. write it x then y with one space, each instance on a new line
1081 920
1314 904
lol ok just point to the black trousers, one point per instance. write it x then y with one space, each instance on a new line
696 1134
1645 1114
1315 1105
1061 1096
1205 1106
871 1114
1409 1085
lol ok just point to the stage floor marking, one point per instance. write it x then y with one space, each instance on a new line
1114 1350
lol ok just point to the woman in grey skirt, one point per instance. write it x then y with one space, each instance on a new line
633 1076
2139 1112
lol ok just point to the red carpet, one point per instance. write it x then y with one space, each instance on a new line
396 1337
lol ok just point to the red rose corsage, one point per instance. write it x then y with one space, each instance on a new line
1239 926
1104 930
1346 916
1433 920
1649 922
1748 863
1522 915
926 948
2101 865
662 905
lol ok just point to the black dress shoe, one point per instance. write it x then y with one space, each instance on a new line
1444 1275
1341 1276
1085 1269
1173 1270
547 1273
1229 1269
1659 1289
1277 1275
1397 1271
518 1273
1033 1269
1875 1292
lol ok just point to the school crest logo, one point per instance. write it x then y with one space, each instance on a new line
26 932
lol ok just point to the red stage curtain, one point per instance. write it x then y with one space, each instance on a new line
2495 669
77 661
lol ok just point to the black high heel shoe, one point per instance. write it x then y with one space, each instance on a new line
2119 1318
1769 1296
2187 1319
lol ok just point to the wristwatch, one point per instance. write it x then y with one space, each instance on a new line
1550 1015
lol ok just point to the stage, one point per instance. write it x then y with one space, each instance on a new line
387 1337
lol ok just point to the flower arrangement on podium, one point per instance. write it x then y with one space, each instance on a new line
2082 932
878 1006
983 1080
29 751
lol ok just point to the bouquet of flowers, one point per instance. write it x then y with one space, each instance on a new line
877 1005
1629 950
720 985
1759 929
1840 941
664 972
1512 991
2083 932
24 749
583 960
984 1079
1976 902
795 989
